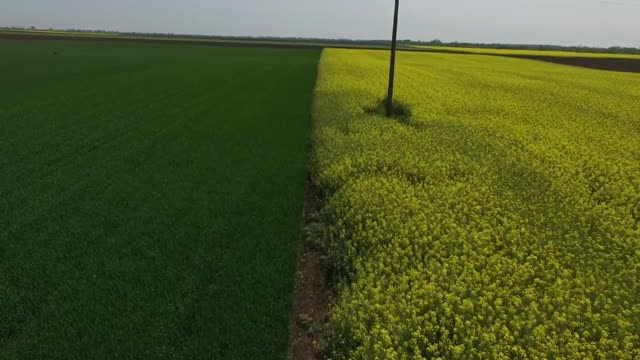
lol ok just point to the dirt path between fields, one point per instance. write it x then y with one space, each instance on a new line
313 294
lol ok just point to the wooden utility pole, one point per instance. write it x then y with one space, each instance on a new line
392 70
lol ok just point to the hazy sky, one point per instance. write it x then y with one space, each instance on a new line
563 22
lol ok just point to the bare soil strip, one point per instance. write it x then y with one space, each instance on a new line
612 64
313 293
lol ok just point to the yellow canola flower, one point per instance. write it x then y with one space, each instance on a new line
501 221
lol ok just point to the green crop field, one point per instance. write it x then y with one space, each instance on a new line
57 32
150 199
192 39
486 51
501 220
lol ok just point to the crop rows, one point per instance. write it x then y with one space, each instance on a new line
150 199
500 221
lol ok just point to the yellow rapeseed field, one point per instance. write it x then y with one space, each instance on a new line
501 221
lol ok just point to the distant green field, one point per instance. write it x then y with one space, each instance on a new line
195 39
150 198
531 52
57 32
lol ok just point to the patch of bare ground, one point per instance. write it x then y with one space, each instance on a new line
611 64
313 293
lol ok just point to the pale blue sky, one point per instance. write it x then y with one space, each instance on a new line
563 22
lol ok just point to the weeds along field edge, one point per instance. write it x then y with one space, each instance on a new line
500 221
